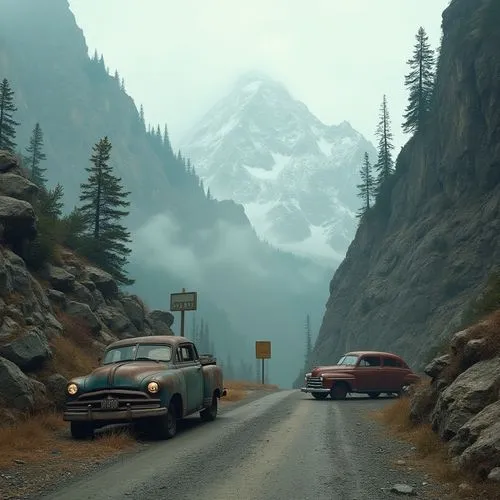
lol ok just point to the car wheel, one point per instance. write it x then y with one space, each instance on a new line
209 414
374 395
339 391
81 430
319 395
167 424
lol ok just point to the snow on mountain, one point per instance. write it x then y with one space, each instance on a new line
295 176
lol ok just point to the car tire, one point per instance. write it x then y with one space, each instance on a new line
167 424
374 395
210 414
319 395
81 430
339 391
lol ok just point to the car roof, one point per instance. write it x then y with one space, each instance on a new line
173 340
375 353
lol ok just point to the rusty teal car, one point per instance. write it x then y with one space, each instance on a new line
150 381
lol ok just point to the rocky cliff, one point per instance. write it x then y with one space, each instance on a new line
462 401
430 243
53 324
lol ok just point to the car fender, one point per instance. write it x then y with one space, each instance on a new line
212 381
329 379
171 382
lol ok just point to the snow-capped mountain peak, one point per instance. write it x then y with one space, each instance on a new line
295 176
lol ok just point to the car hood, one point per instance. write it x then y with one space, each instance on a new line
328 369
130 374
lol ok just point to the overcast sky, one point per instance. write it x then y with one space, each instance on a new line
337 56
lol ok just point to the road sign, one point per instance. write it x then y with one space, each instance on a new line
185 301
263 349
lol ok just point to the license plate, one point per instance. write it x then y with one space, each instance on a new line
109 404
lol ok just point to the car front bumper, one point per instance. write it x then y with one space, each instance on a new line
314 389
95 415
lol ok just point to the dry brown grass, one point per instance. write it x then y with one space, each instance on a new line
239 389
432 453
38 438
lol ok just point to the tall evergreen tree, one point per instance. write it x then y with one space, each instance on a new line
141 116
104 203
35 155
385 163
420 83
166 141
122 85
7 123
366 187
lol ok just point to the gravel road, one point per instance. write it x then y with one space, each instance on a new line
285 445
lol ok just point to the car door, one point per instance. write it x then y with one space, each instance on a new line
193 376
368 373
393 374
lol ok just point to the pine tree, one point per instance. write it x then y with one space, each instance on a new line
122 85
35 155
7 123
166 141
367 187
104 202
141 117
420 83
385 163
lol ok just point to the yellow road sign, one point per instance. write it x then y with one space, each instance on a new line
263 349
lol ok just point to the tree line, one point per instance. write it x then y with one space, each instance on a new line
420 82
94 227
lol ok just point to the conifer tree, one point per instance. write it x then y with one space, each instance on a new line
366 187
104 203
420 83
7 123
122 85
141 117
35 155
166 141
385 163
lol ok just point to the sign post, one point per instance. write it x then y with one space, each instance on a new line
262 352
184 301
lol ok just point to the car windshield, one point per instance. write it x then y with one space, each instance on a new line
154 352
348 360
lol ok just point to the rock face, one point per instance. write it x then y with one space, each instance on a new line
462 400
31 317
430 244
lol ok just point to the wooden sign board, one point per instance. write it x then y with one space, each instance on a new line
185 301
263 349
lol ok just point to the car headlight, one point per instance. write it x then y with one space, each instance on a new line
72 389
153 387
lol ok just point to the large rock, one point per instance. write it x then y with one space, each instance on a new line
466 396
472 429
59 278
16 389
18 187
104 282
57 297
20 277
29 351
134 309
437 365
83 294
84 314
8 329
160 322
18 220
8 161
117 322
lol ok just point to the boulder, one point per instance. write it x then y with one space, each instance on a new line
57 297
117 322
82 294
52 326
56 389
473 351
83 313
8 162
18 220
437 365
134 309
40 399
20 277
5 278
466 396
163 316
18 187
16 388
103 281
472 429
29 352
59 278
8 329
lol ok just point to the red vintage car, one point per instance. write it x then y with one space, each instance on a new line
366 372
